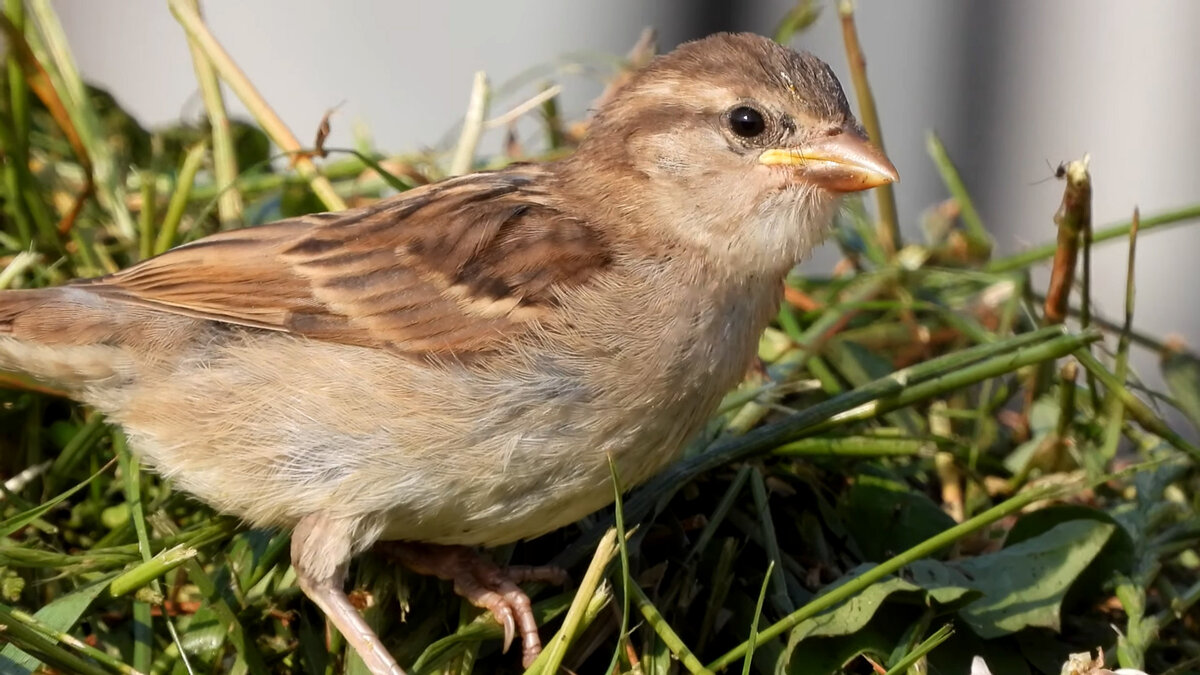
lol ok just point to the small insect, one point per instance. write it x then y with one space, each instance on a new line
1058 173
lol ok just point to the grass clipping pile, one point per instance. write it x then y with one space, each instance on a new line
939 462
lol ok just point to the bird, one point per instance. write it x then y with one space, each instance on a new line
455 366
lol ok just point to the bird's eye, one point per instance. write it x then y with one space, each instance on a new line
746 122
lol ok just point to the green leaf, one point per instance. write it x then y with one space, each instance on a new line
1116 556
828 654
885 516
932 581
945 585
203 634
1023 585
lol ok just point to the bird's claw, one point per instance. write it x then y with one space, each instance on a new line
486 586
503 614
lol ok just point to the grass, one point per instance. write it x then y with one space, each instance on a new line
931 464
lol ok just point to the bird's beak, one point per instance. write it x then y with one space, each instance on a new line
846 162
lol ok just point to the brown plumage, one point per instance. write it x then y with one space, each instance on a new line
456 365
382 276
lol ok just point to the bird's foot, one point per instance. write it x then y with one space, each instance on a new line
484 584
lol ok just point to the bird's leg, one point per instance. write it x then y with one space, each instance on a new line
484 584
321 553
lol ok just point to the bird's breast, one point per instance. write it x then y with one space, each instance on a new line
636 398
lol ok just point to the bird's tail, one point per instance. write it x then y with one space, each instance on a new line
40 336
15 303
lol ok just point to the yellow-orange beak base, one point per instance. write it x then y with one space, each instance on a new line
846 162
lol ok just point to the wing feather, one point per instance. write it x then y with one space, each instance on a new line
449 268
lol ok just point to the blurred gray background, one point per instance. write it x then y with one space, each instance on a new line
1013 88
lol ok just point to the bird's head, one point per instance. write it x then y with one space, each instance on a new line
733 144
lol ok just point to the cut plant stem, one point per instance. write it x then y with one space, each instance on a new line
151 570
888 231
1074 215
1074 222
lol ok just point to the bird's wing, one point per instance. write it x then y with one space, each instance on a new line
450 268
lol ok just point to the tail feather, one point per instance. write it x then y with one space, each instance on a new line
64 315
15 303
51 334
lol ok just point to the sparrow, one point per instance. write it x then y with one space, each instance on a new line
456 365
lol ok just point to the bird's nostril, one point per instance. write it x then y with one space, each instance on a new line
835 131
